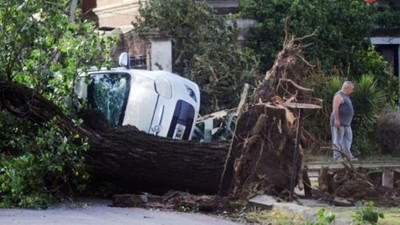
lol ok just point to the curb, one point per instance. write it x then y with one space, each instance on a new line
308 213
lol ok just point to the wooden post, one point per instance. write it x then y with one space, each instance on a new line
387 179
295 156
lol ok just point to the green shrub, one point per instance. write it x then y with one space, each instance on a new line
389 131
44 49
368 100
324 218
367 214
38 164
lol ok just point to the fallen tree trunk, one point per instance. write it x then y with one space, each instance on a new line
146 161
126 155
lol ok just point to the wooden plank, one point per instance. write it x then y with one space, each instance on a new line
297 105
243 99
218 114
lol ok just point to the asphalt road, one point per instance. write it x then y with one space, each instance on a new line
98 212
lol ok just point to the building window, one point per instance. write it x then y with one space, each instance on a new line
139 62
390 54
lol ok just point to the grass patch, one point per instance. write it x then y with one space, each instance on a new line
392 215
274 217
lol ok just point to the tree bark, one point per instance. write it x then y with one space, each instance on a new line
149 162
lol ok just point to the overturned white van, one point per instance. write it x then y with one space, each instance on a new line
156 102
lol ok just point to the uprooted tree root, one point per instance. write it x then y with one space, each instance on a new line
355 185
263 146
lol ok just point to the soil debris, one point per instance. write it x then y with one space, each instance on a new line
357 184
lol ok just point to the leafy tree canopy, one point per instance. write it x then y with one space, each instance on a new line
205 48
389 15
342 27
43 47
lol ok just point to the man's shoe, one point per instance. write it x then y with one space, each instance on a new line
354 159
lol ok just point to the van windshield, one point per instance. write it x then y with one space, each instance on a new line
108 92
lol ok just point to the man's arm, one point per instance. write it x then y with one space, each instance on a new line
337 101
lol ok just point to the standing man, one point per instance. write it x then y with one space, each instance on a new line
340 121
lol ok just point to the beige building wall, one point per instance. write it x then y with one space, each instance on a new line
121 13
116 13
104 3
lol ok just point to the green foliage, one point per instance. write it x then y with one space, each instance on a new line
269 34
334 86
316 122
38 163
389 17
367 214
324 218
205 48
367 101
43 48
372 62
389 131
341 25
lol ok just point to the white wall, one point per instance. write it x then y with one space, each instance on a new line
385 40
161 54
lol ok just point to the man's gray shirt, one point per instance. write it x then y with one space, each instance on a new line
346 111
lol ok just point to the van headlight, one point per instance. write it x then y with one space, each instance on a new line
163 87
191 93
